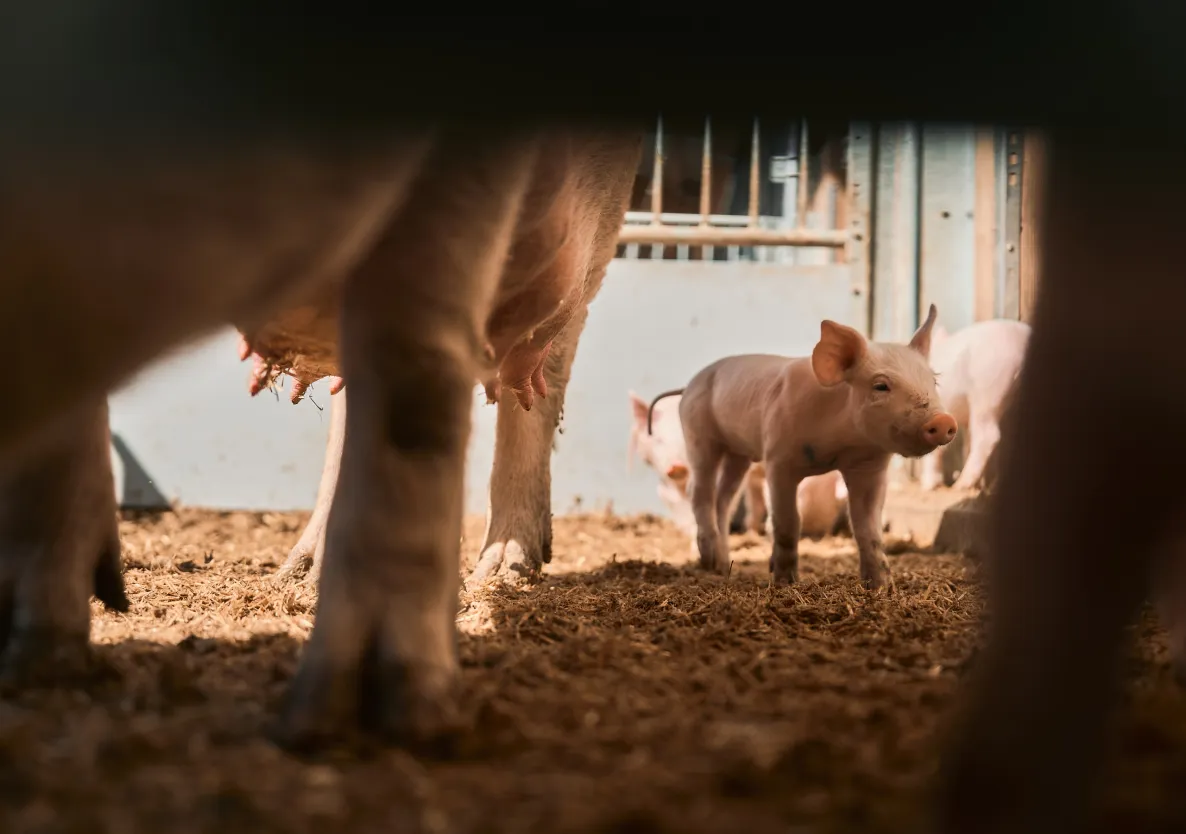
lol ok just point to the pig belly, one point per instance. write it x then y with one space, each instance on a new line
570 218
161 252
563 239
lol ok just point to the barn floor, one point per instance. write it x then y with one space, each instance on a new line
627 693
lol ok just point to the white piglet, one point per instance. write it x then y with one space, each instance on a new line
975 367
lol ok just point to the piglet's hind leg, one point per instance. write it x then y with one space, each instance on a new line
704 461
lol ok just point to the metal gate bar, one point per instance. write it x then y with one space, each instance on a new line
706 230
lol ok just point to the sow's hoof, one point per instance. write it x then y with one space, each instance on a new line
45 625
381 664
510 562
43 659
383 702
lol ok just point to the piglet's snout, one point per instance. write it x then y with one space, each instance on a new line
939 430
677 471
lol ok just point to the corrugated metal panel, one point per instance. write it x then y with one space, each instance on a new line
947 262
896 208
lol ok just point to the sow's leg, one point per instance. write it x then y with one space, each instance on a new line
383 651
518 539
308 552
1100 406
59 543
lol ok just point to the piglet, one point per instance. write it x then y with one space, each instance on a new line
821 499
850 406
976 367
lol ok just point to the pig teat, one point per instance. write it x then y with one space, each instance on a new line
939 430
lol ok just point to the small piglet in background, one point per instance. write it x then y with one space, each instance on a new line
850 406
821 499
976 367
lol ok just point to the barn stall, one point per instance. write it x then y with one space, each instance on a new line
628 691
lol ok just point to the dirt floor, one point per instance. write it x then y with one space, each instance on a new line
628 693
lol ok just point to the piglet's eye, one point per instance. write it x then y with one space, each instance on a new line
881 386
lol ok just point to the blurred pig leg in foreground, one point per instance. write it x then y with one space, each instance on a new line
59 544
563 238
1100 406
97 280
383 651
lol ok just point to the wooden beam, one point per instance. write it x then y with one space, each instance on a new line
985 224
1033 183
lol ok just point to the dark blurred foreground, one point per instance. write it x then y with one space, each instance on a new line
199 71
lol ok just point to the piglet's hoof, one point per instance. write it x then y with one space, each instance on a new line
878 579
784 574
784 561
709 549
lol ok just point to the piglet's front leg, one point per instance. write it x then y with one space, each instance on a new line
784 514
866 498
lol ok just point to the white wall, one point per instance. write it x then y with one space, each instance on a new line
186 430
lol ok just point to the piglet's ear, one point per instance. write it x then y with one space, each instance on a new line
921 340
638 407
838 351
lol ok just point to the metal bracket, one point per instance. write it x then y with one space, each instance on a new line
783 168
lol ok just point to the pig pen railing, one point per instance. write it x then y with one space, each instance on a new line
702 233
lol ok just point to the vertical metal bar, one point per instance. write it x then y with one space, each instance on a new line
1014 149
801 177
754 168
706 173
706 252
907 231
861 167
657 188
